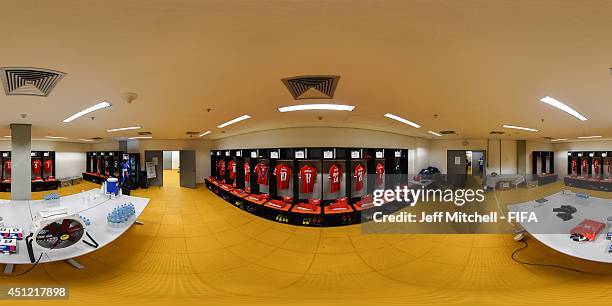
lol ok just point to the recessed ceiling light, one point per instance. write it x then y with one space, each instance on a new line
141 137
243 117
7 136
560 105
303 107
124 129
81 139
205 133
589 137
56 137
559 139
402 120
434 133
88 110
519 128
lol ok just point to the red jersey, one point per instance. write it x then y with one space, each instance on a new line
36 164
380 174
308 175
48 166
7 166
335 173
247 171
232 169
359 174
283 174
222 167
262 173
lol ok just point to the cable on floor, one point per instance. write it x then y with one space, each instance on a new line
549 265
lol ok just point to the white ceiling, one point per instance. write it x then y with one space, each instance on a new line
477 64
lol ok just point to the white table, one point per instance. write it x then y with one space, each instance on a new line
90 204
554 232
491 181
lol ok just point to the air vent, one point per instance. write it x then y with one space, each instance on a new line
497 133
145 133
312 86
548 138
192 133
97 138
447 132
29 81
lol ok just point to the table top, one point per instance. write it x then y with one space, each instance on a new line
89 204
555 233
491 181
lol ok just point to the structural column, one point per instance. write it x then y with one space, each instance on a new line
21 161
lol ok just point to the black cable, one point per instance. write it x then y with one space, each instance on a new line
550 265
26 271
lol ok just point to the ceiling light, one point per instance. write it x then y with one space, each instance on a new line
336 107
434 133
141 137
85 139
88 110
589 137
205 133
519 128
560 105
7 136
402 120
124 129
559 139
56 137
243 117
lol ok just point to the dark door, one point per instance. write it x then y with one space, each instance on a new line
187 168
456 168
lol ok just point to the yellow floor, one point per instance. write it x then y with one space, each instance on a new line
194 247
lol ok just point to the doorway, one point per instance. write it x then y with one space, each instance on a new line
465 167
171 168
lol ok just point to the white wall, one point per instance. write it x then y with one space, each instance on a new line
69 164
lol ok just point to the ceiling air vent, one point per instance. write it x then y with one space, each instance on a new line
29 81
97 138
447 132
312 86
497 133
145 133
191 134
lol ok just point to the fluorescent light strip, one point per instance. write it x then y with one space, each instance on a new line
88 110
8 136
85 139
589 137
402 120
243 117
434 133
124 129
519 128
205 133
56 137
560 105
559 139
335 107
141 137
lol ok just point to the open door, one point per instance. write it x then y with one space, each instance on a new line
187 161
